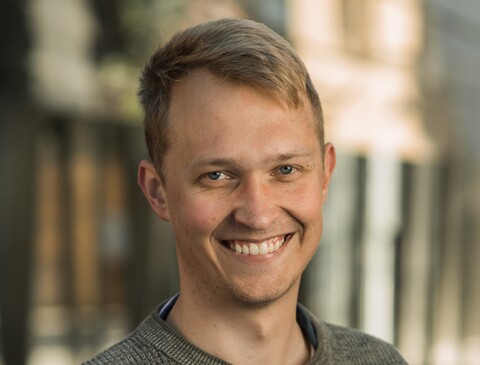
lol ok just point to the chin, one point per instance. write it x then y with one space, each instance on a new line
262 297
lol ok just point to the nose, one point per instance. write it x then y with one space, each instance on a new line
256 206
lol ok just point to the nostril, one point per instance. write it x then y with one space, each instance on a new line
256 218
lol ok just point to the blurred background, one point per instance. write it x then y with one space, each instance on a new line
82 258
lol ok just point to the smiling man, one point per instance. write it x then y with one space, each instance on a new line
240 169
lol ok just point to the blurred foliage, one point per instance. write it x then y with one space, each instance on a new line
146 22
118 79
127 33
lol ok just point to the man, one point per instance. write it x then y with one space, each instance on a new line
240 169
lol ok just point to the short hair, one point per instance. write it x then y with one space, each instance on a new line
238 50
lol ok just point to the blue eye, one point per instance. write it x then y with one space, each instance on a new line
214 175
286 170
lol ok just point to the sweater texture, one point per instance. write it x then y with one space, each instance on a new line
155 342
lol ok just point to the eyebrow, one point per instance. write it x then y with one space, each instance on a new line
215 162
281 157
288 156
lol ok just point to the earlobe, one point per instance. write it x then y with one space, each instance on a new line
153 189
329 161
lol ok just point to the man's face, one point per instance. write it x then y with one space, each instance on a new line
244 190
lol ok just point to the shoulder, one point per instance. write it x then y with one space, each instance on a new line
347 346
154 342
129 351
356 347
137 347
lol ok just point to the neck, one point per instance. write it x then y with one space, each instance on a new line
239 333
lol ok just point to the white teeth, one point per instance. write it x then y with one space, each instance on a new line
254 249
263 248
271 247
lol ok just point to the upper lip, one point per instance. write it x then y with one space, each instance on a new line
256 240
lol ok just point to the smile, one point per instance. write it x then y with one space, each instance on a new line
257 248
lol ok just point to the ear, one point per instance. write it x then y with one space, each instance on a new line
153 189
329 160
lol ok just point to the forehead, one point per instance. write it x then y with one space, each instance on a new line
202 91
211 116
199 87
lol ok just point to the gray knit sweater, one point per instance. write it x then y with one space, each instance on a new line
155 342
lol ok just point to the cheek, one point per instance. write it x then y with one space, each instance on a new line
197 217
306 202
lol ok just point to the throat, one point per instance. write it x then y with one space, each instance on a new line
269 335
